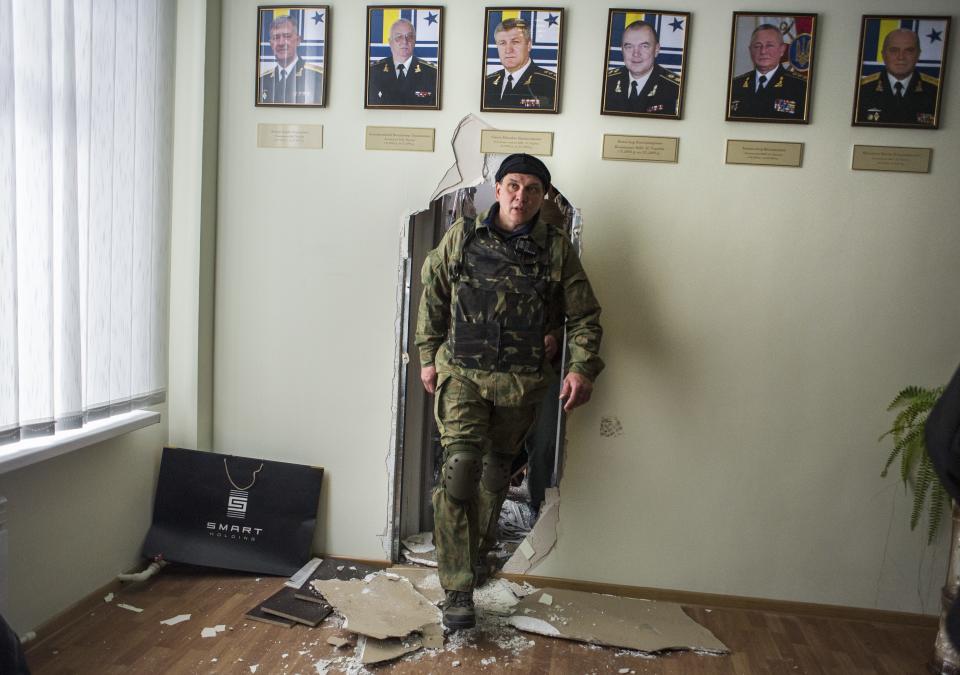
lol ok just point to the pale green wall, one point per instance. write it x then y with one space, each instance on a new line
78 520
758 320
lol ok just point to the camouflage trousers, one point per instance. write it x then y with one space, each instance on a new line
471 426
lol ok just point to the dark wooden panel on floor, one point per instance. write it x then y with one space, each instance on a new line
103 638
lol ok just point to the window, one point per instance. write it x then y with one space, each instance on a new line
85 155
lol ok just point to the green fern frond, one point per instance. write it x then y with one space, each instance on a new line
920 490
937 499
914 404
906 394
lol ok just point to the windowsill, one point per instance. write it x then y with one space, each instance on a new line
33 450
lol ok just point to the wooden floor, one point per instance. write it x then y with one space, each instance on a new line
103 638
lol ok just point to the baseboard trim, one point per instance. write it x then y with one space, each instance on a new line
733 601
72 614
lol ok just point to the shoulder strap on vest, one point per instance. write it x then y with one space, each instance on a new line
456 260
555 237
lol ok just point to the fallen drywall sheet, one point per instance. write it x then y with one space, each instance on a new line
609 620
381 607
541 539
370 650
426 581
469 163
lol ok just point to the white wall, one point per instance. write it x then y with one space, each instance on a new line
758 320
76 521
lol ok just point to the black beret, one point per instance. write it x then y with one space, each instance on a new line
521 163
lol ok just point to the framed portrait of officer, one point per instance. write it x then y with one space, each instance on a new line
644 62
771 67
900 71
292 55
522 60
403 57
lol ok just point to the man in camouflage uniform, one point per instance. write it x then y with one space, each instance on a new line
496 292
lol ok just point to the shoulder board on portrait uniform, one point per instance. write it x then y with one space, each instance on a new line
794 74
670 76
930 79
870 78
426 64
269 73
494 74
314 67
614 72
545 73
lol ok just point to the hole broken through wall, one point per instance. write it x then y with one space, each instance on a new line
529 517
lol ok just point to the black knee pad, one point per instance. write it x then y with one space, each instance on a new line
496 472
461 474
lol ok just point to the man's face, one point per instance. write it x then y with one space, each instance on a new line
640 50
514 48
767 49
284 42
519 196
900 53
402 40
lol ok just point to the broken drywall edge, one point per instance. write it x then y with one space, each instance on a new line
469 167
532 625
302 574
426 581
542 538
370 650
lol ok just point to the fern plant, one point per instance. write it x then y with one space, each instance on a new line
914 404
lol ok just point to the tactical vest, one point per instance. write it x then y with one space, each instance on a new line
504 296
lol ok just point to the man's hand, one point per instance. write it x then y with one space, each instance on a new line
550 347
428 375
575 391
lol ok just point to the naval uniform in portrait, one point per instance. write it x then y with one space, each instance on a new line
783 96
879 103
416 87
304 84
535 88
658 96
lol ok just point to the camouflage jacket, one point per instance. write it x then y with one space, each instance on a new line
570 295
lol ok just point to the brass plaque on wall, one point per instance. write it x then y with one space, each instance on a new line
891 158
764 153
509 142
304 136
411 139
641 148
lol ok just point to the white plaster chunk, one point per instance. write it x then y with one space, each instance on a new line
496 597
533 625
129 607
173 621
108 597
420 543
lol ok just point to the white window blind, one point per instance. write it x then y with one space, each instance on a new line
85 154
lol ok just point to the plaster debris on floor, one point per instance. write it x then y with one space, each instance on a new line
131 608
212 631
173 621
614 621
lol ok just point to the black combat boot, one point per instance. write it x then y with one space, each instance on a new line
458 611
